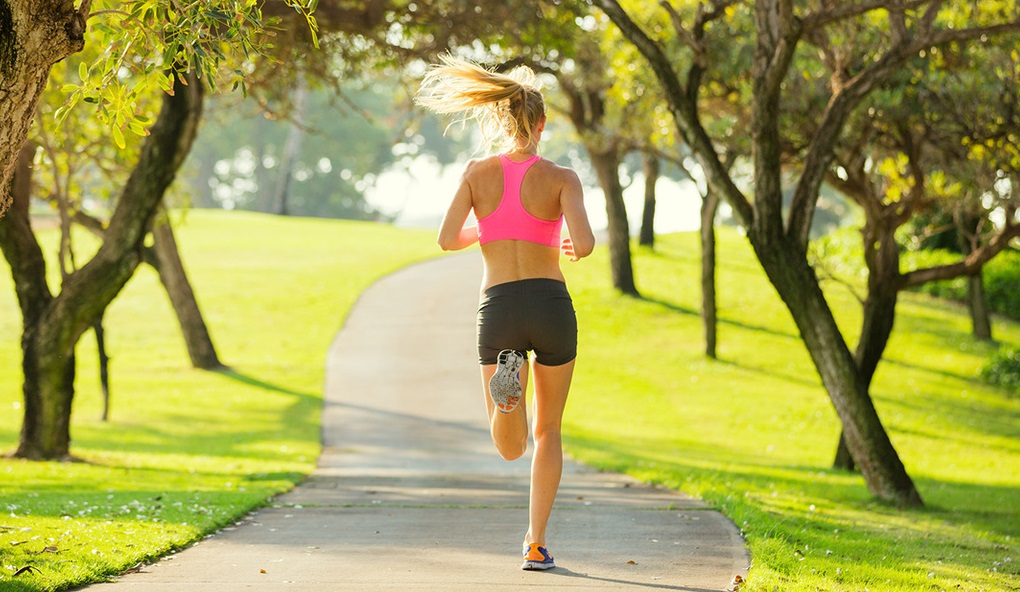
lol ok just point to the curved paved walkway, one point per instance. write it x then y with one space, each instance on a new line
410 494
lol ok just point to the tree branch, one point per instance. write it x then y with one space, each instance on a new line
819 154
684 112
845 11
162 152
968 266
681 31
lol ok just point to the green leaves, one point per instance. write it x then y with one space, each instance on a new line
138 46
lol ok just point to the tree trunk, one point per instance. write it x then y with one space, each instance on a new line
189 316
607 168
54 324
650 164
709 317
182 297
844 460
978 305
882 256
977 302
34 35
104 366
291 150
48 375
866 438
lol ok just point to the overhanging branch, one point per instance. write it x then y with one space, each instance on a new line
968 266
684 111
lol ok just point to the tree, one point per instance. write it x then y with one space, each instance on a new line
53 323
249 151
162 46
779 32
586 91
35 34
606 103
908 156
650 166
79 171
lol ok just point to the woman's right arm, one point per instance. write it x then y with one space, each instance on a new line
582 240
453 236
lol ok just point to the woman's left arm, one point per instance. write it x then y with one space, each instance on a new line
453 236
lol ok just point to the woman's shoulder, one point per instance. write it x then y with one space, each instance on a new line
481 166
557 172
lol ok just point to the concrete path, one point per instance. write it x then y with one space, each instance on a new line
410 494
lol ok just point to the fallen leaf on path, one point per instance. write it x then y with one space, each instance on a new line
632 562
262 571
737 582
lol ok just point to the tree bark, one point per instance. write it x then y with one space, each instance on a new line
50 425
651 166
104 366
881 254
607 167
171 272
54 324
866 438
162 257
34 35
709 313
977 302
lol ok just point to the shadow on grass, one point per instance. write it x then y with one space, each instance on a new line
191 432
685 310
252 381
892 361
786 377
798 508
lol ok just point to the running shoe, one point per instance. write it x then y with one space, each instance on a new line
505 384
536 558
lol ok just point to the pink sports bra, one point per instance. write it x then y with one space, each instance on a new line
510 220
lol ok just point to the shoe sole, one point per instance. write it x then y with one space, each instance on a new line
505 386
537 566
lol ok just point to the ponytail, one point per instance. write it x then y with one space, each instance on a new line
507 105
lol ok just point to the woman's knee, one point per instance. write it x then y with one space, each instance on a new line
547 433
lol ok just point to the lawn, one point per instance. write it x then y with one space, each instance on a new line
188 451
752 433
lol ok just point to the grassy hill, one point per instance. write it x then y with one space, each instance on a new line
753 432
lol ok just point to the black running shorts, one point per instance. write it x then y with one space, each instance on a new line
528 315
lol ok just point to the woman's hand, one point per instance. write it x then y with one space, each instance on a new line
568 249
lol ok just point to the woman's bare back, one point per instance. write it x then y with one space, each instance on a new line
541 192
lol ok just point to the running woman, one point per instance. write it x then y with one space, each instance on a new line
520 201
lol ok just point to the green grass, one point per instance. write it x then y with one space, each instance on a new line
188 451
754 433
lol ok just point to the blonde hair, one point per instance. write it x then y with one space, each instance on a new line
507 105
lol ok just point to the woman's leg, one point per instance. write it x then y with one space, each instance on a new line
509 430
550 398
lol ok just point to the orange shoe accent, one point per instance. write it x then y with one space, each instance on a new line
537 557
